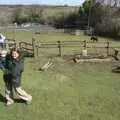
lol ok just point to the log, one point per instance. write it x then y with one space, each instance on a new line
95 60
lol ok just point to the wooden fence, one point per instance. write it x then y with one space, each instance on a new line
28 48
9 43
60 45
33 49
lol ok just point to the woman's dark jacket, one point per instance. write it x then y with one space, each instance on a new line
14 69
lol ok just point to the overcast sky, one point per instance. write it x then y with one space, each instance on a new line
46 2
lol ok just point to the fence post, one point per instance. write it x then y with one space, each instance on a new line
6 45
84 51
33 44
60 48
108 45
20 46
37 48
15 43
85 44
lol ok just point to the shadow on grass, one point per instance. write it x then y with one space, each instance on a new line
116 70
19 101
3 99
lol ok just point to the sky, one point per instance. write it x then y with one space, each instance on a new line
45 2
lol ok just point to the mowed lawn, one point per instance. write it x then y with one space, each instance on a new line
66 91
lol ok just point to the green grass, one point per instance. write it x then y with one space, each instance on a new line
27 36
43 37
66 91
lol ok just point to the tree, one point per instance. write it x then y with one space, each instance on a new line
17 15
105 19
35 14
86 7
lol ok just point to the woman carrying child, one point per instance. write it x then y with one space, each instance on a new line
13 68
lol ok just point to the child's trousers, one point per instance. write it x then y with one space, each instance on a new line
9 86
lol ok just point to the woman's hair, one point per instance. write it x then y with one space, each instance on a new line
16 50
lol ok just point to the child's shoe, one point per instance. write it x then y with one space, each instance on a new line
9 103
29 100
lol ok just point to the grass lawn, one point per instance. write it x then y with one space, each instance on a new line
67 91
27 36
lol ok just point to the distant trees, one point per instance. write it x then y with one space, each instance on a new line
35 14
32 14
66 20
102 15
4 19
16 16
106 20
57 16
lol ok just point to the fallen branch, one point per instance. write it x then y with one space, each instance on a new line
46 66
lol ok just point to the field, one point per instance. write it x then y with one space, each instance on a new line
66 91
